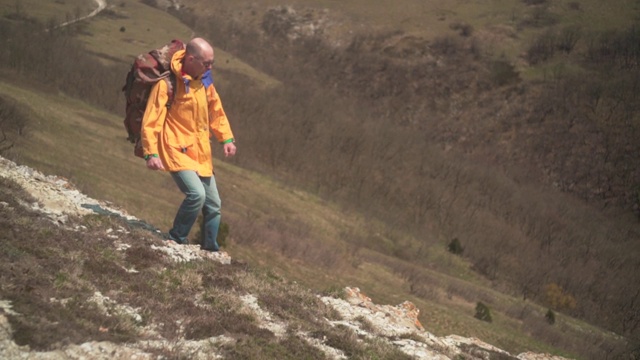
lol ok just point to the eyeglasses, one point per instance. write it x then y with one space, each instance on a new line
206 64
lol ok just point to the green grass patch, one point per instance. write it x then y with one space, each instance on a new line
130 27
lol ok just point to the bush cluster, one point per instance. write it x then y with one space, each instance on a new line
483 312
545 46
550 316
455 247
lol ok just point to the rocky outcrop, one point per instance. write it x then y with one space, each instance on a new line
400 326
285 21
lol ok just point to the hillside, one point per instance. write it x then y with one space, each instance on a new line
107 287
371 141
532 151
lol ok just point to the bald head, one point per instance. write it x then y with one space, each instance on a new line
199 47
198 57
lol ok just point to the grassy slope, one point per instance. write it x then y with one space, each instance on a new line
105 36
120 32
106 169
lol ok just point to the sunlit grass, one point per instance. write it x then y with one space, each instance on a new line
129 28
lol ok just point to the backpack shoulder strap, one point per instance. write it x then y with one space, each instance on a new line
171 88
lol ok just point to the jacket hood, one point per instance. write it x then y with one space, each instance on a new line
176 67
176 62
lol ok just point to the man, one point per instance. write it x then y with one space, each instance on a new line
176 139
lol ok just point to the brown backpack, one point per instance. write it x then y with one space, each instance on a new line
147 69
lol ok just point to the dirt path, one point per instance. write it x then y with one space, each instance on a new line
102 4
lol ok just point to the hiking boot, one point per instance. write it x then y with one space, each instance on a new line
167 236
208 249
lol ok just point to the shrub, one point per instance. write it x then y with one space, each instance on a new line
483 312
568 38
618 47
551 317
223 232
503 73
455 247
152 3
446 45
463 28
557 298
542 48
13 122
539 17
335 291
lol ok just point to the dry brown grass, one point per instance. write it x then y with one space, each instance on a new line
302 235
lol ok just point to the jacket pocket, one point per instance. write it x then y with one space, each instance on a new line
180 149
184 150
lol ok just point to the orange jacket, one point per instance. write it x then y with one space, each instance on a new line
180 135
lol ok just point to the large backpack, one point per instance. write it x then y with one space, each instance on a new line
147 70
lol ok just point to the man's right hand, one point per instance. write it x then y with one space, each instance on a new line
155 163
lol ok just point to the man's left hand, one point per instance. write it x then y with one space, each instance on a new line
229 149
